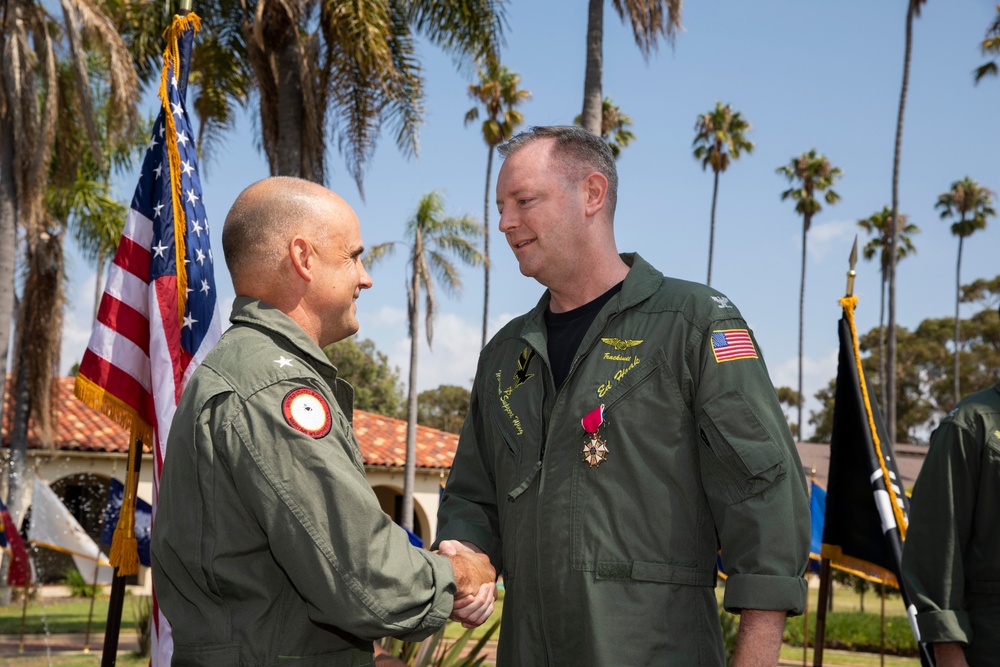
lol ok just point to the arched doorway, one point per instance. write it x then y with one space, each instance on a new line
85 495
390 499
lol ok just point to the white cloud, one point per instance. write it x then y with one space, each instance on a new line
822 237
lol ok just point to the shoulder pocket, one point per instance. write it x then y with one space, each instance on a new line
742 458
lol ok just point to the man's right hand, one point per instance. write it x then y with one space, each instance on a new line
475 579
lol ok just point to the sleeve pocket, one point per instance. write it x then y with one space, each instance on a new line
739 457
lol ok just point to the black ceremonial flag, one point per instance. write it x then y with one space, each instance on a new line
866 509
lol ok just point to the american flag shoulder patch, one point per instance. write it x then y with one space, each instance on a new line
732 344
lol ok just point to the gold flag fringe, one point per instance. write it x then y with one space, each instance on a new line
857 567
124 547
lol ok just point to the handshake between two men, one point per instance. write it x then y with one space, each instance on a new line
475 579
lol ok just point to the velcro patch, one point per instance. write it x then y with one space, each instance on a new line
732 344
306 411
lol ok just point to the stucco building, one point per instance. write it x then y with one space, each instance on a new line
89 449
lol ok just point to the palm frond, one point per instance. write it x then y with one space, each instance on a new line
650 19
375 255
470 31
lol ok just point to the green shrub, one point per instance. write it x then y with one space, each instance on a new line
730 630
436 652
78 586
142 612
856 631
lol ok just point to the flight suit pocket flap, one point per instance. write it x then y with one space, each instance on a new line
655 572
217 655
743 447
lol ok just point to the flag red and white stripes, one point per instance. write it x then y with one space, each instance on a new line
159 315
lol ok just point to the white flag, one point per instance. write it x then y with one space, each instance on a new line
53 527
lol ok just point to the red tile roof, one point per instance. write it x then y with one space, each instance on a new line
382 439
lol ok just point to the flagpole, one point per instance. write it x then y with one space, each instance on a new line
824 570
24 615
117 599
90 614
805 615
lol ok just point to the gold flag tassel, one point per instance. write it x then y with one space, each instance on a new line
171 60
124 547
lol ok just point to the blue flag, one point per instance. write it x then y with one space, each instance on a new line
143 519
817 511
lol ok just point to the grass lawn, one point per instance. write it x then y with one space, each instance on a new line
64 615
848 658
75 660
57 615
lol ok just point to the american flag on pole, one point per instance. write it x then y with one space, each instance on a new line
159 316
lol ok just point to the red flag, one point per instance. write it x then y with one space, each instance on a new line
19 573
159 315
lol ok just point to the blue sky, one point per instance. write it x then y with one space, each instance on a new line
805 74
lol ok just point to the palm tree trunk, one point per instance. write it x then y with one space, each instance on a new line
590 118
957 388
409 470
802 304
881 344
711 228
17 470
890 380
290 113
486 244
8 241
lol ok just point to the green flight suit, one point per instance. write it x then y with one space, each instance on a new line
951 556
615 564
269 545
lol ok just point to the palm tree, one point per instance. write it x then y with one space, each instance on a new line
432 237
615 125
912 11
878 226
322 69
971 203
991 44
649 20
498 92
720 137
34 98
39 95
811 175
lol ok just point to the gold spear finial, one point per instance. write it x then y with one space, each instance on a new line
853 260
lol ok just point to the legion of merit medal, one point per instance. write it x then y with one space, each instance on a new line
595 449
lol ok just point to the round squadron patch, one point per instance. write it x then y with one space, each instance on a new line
305 410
